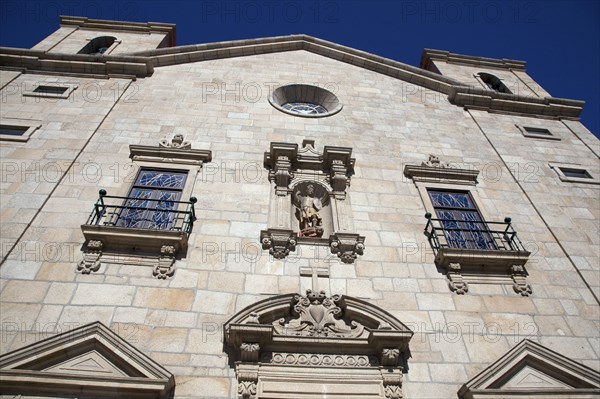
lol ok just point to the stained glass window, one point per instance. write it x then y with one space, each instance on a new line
304 108
460 219
152 196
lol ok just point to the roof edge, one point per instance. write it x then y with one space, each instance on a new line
430 55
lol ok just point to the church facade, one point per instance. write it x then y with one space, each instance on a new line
290 218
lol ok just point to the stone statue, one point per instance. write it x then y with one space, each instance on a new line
308 210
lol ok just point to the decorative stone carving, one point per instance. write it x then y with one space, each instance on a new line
247 389
455 279
393 392
330 340
434 162
177 141
392 383
91 258
317 316
308 207
278 242
347 246
519 276
319 360
390 356
249 351
309 199
166 262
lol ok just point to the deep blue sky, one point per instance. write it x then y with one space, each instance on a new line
560 40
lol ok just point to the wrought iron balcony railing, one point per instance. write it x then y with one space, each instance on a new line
472 235
143 213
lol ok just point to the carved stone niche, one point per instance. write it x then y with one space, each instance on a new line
293 345
309 204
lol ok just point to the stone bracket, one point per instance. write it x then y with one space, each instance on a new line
165 266
347 246
392 383
91 257
519 277
249 351
279 242
247 376
455 279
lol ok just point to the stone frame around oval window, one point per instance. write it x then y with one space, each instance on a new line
302 93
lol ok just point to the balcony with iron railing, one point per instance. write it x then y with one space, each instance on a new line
140 223
475 243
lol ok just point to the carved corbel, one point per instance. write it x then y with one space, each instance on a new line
247 376
278 242
338 179
390 356
166 262
91 258
347 246
455 279
392 383
519 277
281 174
249 351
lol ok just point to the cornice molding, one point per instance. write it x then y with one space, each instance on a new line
430 55
142 64
122 26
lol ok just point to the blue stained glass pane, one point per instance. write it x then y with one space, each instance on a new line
160 218
161 179
450 200
135 218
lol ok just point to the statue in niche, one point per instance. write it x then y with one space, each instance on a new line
308 206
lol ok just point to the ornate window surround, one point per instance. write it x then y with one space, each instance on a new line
292 345
465 266
157 249
288 167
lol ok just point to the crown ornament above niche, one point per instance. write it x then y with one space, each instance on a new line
309 201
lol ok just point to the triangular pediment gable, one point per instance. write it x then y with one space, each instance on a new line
532 369
90 361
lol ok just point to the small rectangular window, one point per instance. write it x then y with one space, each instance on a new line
574 173
538 130
50 89
17 129
579 173
13 130
537 133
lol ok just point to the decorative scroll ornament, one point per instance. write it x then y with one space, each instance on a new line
247 389
393 392
317 316
166 262
278 242
434 162
347 246
177 141
519 278
91 259
455 279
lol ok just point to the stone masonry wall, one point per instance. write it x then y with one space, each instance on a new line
222 106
